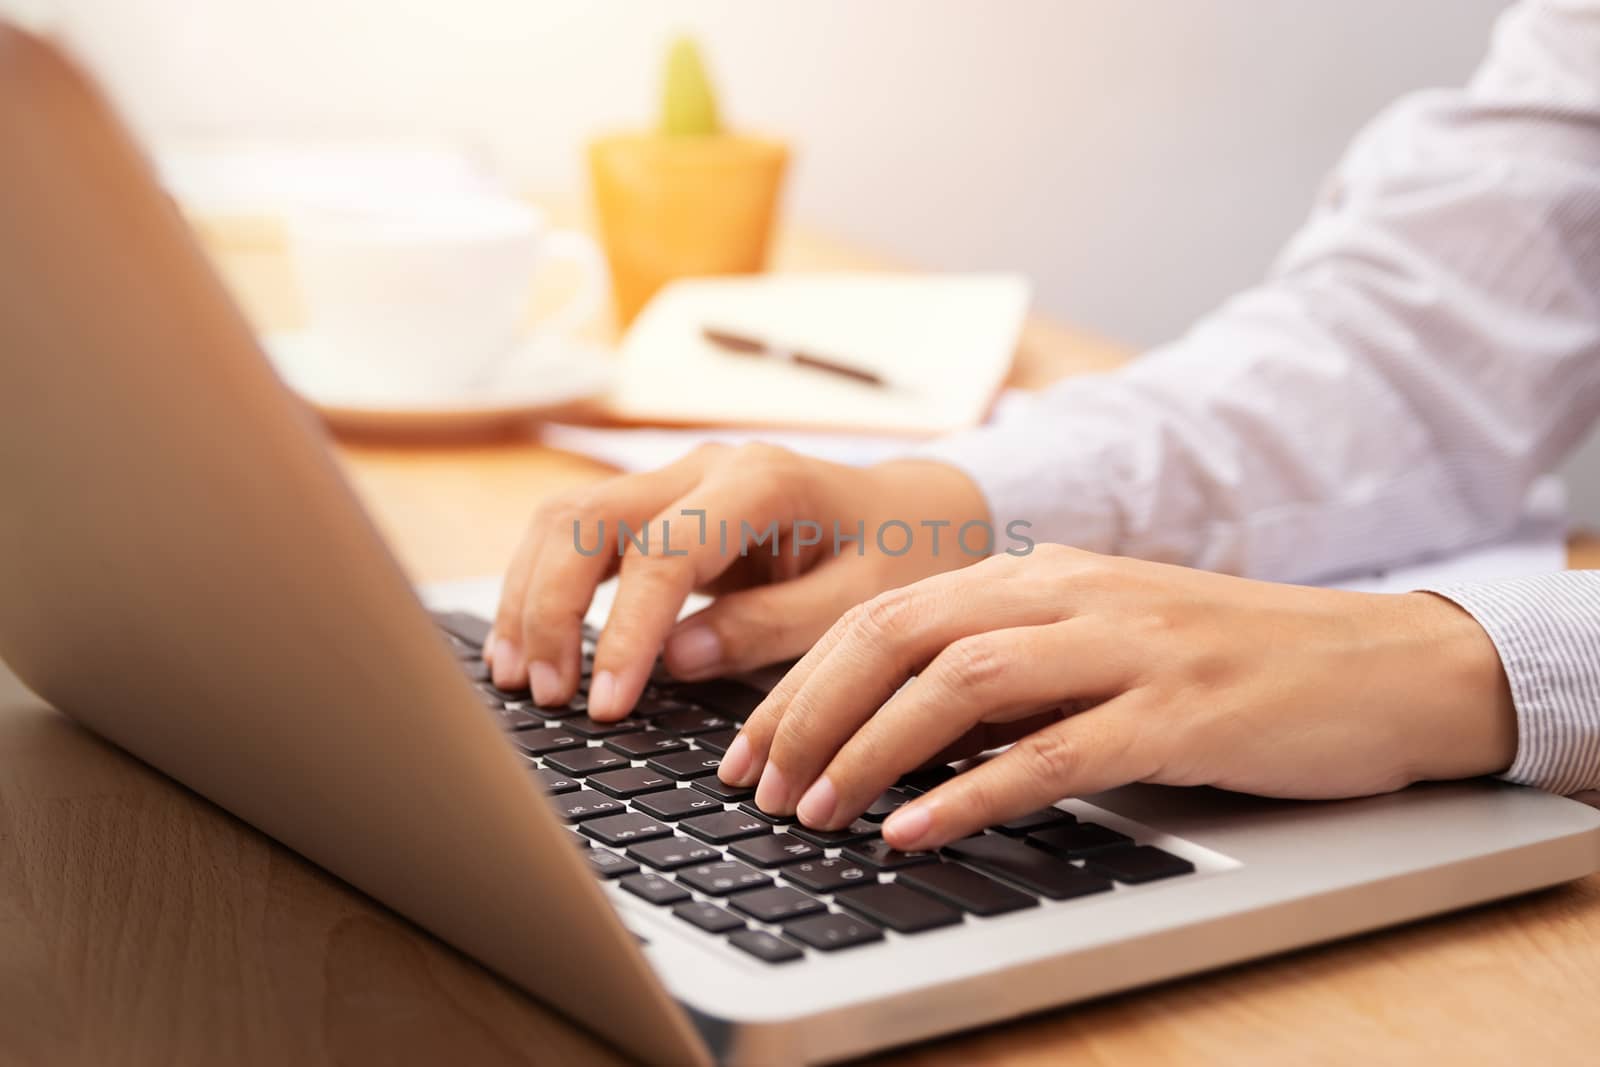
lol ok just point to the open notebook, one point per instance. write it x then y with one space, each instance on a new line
944 343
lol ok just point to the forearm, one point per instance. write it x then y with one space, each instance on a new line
1426 347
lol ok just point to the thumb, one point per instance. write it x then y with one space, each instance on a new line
758 626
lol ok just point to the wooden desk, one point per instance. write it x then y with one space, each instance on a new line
140 925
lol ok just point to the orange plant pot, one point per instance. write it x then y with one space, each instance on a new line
670 207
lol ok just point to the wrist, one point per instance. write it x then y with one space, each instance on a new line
919 491
937 488
1466 722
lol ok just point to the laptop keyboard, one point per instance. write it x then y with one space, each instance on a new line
644 805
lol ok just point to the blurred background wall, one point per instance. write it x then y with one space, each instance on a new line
1139 160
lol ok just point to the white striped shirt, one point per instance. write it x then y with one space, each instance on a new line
1426 347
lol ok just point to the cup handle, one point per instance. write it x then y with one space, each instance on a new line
586 300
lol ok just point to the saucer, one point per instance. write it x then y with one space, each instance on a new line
544 376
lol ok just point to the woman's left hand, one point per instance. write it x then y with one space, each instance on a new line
1106 671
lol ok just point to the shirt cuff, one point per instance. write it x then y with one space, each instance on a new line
1547 631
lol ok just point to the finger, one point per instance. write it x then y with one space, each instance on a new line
503 653
754 627
570 548
553 608
742 764
1103 748
991 735
876 647
681 550
993 677
754 742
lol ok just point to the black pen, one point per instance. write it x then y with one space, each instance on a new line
752 346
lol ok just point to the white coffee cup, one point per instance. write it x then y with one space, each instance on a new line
427 297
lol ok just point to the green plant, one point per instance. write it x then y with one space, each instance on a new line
688 102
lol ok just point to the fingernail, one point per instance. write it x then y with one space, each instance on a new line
907 828
506 660
694 652
773 792
545 682
603 695
816 808
735 766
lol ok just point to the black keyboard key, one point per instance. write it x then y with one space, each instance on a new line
713 786
584 726
774 850
724 696
585 804
691 763
670 853
1141 863
576 706
461 649
708 917
653 702
833 931
1043 819
660 677
1033 869
580 840
764 946
828 875
898 907
687 721
625 829
749 808
554 782
470 629
609 864
475 669
654 888
503 696
626 782
717 741
926 779
545 739
859 830
877 854
677 803
776 904
966 889
643 744
582 761
720 879
518 719
886 805
719 827
1078 839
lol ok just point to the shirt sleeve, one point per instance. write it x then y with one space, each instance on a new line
1425 347
1547 631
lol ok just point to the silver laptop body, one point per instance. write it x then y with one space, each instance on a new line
183 571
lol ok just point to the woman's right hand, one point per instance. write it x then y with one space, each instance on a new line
773 600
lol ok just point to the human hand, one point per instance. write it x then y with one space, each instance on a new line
1106 671
774 599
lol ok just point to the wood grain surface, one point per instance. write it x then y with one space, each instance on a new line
141 925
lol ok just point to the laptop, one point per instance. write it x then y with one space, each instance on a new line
187 574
